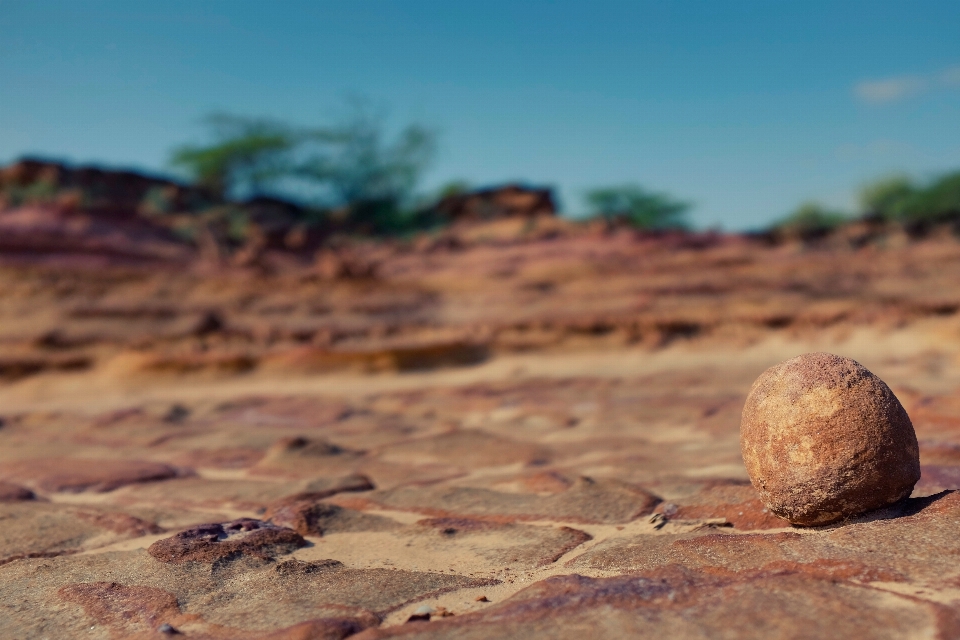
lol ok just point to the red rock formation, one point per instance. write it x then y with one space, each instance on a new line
510 201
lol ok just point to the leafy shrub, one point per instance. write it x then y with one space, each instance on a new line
885 198
244 155
350 169
938 202
810 219
356 164
897 199
634 205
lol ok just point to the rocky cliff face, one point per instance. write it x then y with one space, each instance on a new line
53 212
120 193
50 211
509 201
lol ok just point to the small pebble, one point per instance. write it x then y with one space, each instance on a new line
167 629
824 439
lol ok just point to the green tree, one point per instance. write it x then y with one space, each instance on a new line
352 166
898 199
887 198
638 207
245 155
810 219
355 162
452 188
937 202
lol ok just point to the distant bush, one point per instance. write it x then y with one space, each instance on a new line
637 207
350 169
452 188
894 199
810 219
244 155
897 199
37 192
357 164
938 202
884 199
369 178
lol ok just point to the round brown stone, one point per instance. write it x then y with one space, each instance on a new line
824 439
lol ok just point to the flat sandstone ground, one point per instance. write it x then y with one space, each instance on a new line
528 439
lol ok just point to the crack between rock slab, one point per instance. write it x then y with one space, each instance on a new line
462 601
918 592
38 554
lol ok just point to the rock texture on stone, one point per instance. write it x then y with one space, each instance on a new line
213 542
824 439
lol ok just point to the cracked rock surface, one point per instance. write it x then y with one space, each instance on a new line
326 461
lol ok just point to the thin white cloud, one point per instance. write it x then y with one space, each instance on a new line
950 77
896 88
889 89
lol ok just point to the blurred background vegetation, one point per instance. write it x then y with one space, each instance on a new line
896 199
354 173
810 220
899 199
350 171
635 206
352 176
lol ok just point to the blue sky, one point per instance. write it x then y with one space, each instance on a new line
744 108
